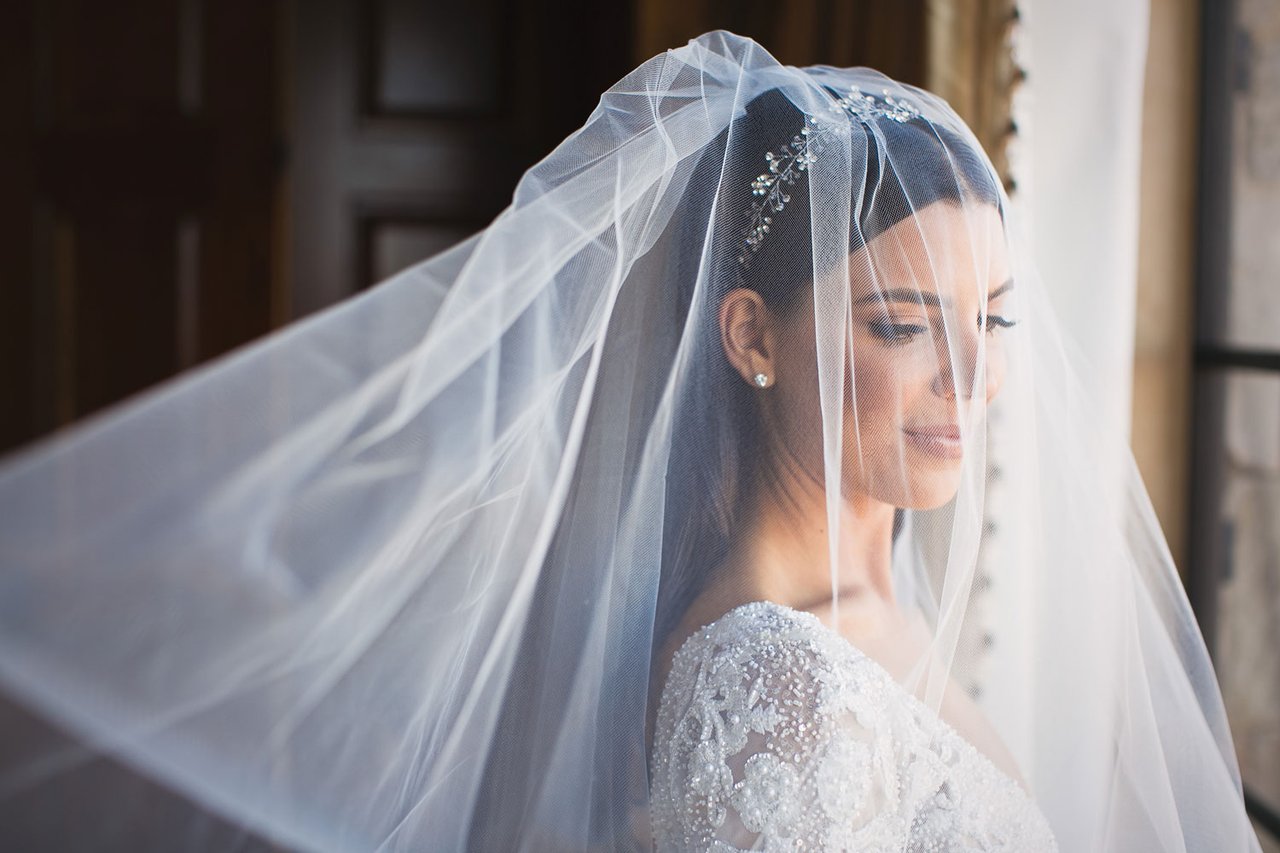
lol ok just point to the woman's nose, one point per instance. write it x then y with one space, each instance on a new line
958 367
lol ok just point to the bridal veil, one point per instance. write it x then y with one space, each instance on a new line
400 576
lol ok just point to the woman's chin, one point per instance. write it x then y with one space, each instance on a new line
929 502
927 489
932 489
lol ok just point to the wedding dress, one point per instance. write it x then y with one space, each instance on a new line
755 345
775 733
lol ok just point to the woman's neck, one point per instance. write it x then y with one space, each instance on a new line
783 548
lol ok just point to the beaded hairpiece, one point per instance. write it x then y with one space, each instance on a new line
786 166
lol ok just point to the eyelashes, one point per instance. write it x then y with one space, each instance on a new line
895 333
900 333
996 322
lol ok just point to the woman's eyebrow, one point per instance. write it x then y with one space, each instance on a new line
1008 285
920 297
902 294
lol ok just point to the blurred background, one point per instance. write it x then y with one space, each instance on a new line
180 177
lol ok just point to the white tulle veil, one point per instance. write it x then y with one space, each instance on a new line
399 577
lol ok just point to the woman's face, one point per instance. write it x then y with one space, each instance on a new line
929 300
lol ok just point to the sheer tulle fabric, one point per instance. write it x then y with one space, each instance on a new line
406 575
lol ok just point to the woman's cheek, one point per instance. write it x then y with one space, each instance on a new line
874 419
995 371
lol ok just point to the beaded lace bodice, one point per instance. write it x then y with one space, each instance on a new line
776 733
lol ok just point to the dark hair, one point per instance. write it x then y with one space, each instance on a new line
710 477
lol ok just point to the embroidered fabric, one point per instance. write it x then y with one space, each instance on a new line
776 733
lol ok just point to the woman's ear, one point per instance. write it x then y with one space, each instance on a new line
748 336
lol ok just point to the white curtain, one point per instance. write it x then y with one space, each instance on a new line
1081 123
1076 163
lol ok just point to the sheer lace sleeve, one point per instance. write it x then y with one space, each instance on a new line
774 734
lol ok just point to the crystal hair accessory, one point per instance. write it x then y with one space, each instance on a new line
792 159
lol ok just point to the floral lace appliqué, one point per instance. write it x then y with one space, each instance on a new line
774 733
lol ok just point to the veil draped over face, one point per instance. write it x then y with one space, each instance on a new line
408 574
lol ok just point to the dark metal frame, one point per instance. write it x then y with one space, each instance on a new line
1210 539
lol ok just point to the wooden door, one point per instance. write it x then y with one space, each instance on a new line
139 173
413 119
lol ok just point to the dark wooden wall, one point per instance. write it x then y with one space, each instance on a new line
136 216
182 176
888 36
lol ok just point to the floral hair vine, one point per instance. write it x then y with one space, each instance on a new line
791 160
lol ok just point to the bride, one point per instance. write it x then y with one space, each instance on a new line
734 489
928 251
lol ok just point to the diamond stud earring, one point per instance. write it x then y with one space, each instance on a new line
762 380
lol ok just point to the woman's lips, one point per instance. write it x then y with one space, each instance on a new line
943 440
